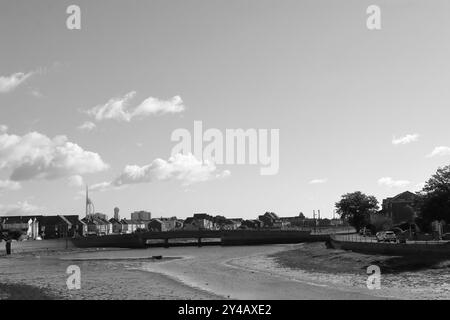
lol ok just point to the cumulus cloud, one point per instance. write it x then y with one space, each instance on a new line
439 151
391 183
19 209
87 126
318 181
115 108
406 139
9 185
155 106
185 168
36 156
9 83
118 108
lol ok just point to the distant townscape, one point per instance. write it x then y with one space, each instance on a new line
98 224
396 211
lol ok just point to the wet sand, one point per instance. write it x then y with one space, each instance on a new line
245 272
100 280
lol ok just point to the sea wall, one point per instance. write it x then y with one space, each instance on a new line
398 249
37 246
269 237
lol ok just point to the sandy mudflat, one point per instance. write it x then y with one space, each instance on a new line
247 273
412 277
23 292
304 271
102 279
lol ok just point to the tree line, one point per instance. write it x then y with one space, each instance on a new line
432 203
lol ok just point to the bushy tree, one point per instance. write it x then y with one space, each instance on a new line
434 199
356 208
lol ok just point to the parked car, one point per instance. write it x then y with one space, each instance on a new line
386 236
446 236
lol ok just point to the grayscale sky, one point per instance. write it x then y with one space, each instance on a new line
357 109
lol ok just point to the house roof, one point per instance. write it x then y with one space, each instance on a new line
114 220
129 221
53 220
19 219
189 220
73 219
407 195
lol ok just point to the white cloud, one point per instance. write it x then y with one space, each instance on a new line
406 139
102 186
35 156
115 109
19 209
155 106
3 128
87 126
318 181
391 183
439 151
9 83
184 168
118 108
9 185
75 181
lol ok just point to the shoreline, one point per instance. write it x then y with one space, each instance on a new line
18 291
295 271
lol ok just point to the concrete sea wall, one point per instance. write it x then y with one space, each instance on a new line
398 249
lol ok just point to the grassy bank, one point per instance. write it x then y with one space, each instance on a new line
317 258
23 292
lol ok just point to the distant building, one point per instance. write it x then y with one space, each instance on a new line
237 222
52 227
204 221
131 226
55 226
200 221
116 214
400 209
141 216
271 220
222 223
77 227
117 226
251 224
19 223
165 224
97 224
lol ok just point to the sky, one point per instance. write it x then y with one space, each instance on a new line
356 109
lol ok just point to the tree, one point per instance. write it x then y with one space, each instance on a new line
434 199
356 208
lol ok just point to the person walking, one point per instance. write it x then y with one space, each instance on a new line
8 246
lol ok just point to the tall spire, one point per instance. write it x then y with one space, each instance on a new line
87 201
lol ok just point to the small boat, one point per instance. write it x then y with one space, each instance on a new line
157 257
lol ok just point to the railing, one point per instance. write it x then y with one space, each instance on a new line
373 239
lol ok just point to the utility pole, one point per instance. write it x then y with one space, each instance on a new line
314 218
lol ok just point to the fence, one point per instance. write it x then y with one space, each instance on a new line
373 239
